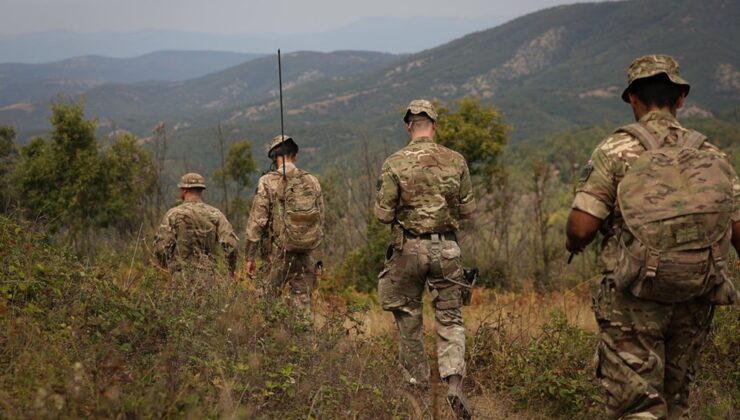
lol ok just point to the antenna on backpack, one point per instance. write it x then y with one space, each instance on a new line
282 122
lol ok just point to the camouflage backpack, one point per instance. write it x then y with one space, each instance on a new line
196 234
302 230
676 203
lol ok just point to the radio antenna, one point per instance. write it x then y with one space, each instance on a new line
282 121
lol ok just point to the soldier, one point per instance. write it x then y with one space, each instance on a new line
668 203
288 210
424 191
189 235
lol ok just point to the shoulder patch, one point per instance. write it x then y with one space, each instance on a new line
586 171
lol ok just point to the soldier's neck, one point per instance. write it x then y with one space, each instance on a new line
288 166
642 111
194 198
422 138
279 162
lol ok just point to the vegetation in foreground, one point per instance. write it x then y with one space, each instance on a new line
113 338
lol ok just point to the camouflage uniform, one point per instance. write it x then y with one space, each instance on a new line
297 270
423 191
189 235
648 350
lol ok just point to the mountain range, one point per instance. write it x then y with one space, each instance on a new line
37 83
546 71
387 34
549 70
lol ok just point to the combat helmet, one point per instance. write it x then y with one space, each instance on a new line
653 65
420 106
278 140
192 180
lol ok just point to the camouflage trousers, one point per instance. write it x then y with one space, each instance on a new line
295 271
436 265
648 352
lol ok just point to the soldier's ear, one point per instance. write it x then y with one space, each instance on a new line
633 98
681 100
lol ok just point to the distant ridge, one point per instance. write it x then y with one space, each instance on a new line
158 65
38 83
388 34
25 105
547 71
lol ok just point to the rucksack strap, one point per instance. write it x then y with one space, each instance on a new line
648 140
692 139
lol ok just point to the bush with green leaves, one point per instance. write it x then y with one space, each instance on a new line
69 181
115 339
476 131
552 370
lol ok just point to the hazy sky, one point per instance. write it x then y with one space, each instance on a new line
238 16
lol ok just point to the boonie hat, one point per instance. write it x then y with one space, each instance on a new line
278 140
192 180
420 106
652 65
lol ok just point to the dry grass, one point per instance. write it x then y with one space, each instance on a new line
112 339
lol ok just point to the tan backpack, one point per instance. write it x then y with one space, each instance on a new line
196 234
302 230
676 202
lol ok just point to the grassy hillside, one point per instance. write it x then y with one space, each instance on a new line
114 337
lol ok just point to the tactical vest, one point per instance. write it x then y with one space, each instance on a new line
676 204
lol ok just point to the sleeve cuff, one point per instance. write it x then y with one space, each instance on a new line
736 217
587 203
385 216
467 208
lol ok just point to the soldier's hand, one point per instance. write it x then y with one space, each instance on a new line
251 269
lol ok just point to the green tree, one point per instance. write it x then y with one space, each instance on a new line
238 170
133 179
72 184
475 130
361 266
8 158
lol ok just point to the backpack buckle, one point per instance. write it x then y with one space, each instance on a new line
651 265
719 262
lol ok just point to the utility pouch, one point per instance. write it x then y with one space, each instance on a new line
397 236
470 275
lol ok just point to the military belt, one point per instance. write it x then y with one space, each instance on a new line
447 236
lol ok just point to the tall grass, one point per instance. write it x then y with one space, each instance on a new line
115 337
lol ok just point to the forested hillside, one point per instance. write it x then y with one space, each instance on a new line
552 69
546 72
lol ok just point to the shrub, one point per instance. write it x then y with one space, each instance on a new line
97 345
551 371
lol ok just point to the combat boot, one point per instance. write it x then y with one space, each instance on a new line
456 398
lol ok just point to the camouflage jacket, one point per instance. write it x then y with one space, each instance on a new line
264 222
189 235
596 193
425 187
